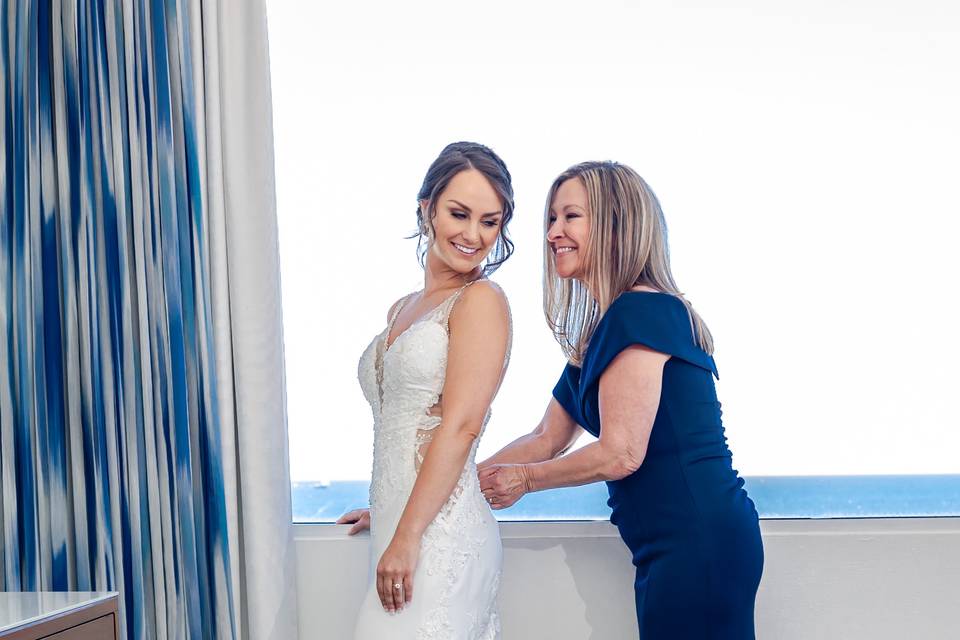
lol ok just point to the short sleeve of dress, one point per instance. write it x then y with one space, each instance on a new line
657 321
567 392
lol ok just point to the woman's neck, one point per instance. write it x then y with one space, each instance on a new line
643 287
438 276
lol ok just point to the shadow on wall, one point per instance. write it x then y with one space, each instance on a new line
543 582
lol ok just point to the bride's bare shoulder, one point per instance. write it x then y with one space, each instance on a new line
483 302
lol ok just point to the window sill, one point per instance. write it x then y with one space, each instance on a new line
603 529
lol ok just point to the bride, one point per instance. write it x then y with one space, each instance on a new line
430 377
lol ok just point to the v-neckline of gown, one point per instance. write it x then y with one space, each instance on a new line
388 343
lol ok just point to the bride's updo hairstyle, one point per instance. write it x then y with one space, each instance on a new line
627 247
457 157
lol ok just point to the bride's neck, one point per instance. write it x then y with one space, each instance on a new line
438 276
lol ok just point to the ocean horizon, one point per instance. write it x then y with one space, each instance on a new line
776 497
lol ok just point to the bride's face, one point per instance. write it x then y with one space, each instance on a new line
466 223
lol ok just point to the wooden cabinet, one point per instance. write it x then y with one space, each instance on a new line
58 616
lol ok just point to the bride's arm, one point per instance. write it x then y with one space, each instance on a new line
479 332
555 434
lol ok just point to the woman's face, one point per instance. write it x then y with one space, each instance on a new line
569 228
467 221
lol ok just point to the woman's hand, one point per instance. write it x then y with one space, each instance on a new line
360 518
395 573
503 484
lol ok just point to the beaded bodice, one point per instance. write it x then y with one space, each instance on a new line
403 382
459 568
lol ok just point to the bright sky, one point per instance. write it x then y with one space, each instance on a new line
805 154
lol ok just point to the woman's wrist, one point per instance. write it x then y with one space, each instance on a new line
528 471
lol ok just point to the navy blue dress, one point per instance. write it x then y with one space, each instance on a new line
684 513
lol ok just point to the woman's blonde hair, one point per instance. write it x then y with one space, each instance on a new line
627 247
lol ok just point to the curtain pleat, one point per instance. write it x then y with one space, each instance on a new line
111 456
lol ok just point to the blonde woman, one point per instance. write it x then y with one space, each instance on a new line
430 377
640 378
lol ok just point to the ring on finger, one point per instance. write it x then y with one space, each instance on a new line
398 593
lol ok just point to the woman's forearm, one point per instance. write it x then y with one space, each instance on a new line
592 463
532 447
436 479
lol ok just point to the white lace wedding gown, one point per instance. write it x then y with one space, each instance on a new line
457 578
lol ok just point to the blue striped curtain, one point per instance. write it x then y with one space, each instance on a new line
110 453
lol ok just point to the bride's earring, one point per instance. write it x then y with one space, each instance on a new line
426 230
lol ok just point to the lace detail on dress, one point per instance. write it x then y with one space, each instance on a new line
421 444
382 344
486 624
452 542
455 536
460 549
433 420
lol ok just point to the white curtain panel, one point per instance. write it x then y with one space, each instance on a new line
248 328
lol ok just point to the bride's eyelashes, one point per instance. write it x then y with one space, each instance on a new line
460 215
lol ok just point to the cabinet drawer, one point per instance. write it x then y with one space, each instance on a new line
100 629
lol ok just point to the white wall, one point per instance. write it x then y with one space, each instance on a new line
823 579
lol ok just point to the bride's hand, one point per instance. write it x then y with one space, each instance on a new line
503 484
395 573
360 518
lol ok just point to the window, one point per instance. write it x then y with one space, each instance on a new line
805 157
